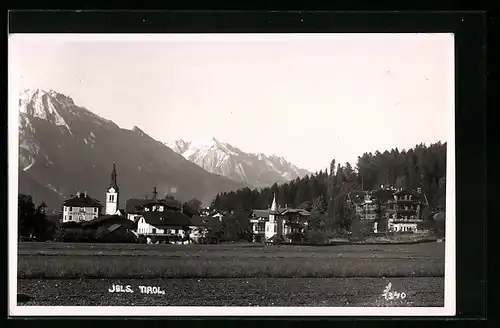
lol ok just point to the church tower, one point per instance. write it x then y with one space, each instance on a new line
112 194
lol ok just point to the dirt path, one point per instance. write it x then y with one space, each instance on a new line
426 291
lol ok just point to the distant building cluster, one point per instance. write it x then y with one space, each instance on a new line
163 219
390 209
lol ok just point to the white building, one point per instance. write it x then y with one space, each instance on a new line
81 208
171 226
281 222
164 220
258 220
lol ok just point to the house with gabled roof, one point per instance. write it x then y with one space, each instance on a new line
136 206
163 219
81 208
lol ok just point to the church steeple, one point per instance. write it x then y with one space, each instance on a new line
112 194
113 184
274 207
155 193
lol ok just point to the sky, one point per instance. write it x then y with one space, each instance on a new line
310 98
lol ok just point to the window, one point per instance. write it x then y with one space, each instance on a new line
71 217
95 209
176 231
274 228
70 208
154 230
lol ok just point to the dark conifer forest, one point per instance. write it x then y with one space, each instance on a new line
325 191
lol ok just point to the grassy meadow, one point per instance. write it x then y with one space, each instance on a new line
139 261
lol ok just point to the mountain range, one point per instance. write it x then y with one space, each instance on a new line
65 148
256 170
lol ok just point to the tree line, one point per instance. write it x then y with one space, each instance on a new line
324 193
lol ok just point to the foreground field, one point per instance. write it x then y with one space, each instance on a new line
231 274
73 261
236 292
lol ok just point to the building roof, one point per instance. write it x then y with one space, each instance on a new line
165 202
298 211
166 218
114 227
261 213
109 220
136 205
82 200
384 195
415 195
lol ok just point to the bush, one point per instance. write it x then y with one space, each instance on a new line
71 224
316 237
74 235
361 229
277 239
257 238
439 225
296 237
85 236
102 234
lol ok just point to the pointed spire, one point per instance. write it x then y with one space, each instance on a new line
155 193
113 183
274 207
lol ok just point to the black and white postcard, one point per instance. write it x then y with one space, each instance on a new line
231 174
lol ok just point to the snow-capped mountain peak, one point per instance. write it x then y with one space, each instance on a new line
56 108
45 105
222 158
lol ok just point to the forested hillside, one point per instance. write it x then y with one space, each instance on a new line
422 166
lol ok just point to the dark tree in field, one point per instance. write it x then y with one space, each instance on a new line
236 227
32 222
26 213
192 207
331 189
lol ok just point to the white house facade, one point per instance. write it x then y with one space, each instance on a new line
281 222
81 208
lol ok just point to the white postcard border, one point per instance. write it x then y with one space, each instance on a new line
13 144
